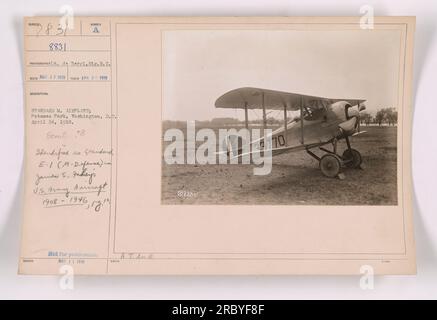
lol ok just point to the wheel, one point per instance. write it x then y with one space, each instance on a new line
352 158
330 165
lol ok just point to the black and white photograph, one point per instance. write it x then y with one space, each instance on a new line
281 117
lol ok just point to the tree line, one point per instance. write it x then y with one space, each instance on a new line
383 116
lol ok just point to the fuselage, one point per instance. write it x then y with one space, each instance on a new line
322 125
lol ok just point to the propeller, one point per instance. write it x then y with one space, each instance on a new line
360 108
359 124
352 122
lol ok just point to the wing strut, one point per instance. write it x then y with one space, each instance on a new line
285 125
264 113
246 117
301 119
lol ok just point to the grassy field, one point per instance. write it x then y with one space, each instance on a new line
295 178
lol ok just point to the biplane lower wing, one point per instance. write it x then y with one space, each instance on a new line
278 151
275 151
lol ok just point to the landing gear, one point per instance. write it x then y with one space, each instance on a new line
331 163
351 158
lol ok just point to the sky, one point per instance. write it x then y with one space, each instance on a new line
201 65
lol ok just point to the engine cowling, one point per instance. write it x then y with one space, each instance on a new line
352 123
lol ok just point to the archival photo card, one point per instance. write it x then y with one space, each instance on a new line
218 146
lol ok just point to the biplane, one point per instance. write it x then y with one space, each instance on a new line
320 122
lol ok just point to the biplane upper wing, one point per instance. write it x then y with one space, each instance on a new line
257 98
